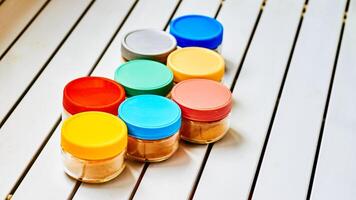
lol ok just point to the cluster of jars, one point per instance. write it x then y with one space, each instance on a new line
168 89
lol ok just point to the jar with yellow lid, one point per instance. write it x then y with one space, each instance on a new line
195 62
93 146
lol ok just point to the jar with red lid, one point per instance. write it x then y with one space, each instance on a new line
206 107
92 94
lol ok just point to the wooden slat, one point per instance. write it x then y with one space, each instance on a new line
174 178
61 70
335 176
232 163
15 15
289 156
35 116
26 58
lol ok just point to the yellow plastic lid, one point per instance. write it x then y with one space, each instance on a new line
94 135
196 62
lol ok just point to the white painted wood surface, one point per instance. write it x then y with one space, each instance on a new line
25 59
232 162
74 59
231 166
175 178
335 176
18 142
289 156
14 16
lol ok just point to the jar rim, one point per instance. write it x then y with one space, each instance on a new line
202 100
94 135
73 100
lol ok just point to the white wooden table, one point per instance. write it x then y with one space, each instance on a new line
291 65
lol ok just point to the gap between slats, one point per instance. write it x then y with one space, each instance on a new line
311 182
23 31
278 98
45 65
234 81
77 185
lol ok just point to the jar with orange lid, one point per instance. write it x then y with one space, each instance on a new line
92 94
93 146
153 124
195 62
206 107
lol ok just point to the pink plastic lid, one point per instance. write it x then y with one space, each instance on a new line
202 99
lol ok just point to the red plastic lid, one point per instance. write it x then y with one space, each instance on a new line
202 99
93 94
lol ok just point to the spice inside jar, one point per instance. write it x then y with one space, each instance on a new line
92 94
196 62
147 44
93 146
198 31
206 107
153 124
144 77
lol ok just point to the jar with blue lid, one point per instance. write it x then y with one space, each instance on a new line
153 124
197 31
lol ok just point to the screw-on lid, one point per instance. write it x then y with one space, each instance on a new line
150 117
147 44
202 100
197 30
144 77
92 94
94 135
196 62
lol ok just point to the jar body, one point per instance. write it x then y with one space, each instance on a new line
93 171
204 132
217 49
65 114
152 150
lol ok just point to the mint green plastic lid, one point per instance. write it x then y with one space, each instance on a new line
144 77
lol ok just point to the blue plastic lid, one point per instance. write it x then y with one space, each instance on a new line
197 30
150 117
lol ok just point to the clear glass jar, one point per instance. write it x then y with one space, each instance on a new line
204 132
153 124
152 150
206 107
93 171
92 94
93 146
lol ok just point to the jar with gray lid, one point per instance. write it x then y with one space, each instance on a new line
147 44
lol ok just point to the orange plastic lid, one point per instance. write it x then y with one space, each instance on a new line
93 94
202 100
196 62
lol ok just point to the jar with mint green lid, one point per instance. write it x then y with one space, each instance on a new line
144 77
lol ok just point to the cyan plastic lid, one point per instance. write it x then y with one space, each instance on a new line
144 77
197 30
150 117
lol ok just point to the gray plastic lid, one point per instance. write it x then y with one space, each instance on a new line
148 44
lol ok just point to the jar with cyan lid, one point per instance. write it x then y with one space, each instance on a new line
153 124
147 44
93 146
198 31
195 62
206 107
144 77
92 94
